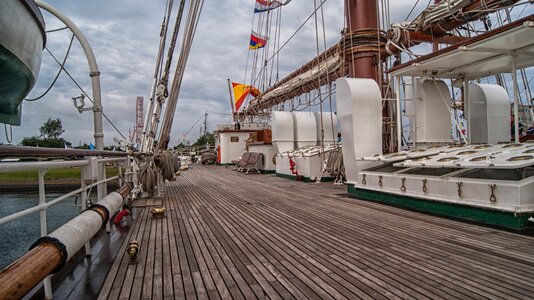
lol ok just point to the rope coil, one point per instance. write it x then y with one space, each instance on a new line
362 41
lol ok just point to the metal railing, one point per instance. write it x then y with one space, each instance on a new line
91 169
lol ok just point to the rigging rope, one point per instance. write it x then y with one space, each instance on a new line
334 167
147 177
148 134
195 9
9 137
288 40
318 52
62 67
162 87
166 163
56 29
329 87
83 91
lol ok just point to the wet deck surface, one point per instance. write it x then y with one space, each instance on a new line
229 235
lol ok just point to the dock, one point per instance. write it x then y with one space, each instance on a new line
228 235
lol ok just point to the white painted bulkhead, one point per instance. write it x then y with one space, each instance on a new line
269 154
232 145
307 166
329 120
305 126
283 135
432 114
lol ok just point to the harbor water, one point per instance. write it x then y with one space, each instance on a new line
17 236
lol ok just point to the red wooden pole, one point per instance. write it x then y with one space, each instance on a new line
362 14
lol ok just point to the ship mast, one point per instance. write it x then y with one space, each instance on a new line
362 17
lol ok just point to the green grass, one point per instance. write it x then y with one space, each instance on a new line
67 173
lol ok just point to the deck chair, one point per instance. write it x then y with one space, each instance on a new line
255 162
242 162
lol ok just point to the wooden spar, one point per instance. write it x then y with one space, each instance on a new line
259 105
306 67
363 63
22 275
48 254
470 13
437 32
435 44
464 43
231 100
418 36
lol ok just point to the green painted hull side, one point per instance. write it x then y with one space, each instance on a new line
268 171
486 216
226 165
16 82
306 179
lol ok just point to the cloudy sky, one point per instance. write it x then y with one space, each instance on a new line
124 35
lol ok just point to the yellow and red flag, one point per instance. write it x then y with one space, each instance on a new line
241 91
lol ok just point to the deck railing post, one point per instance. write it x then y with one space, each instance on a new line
397 83
43 226
516 97
102 187
85 203
121 181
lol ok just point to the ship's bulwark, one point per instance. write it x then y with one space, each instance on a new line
232 235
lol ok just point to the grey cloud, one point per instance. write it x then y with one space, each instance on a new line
125 35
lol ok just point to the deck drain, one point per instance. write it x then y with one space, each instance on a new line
482 158
448 159
468 152
512 146
520 158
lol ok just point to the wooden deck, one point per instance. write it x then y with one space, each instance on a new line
230 235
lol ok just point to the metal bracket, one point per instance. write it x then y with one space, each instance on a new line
493 187
425 189
380 181
81 104
364 182
403 186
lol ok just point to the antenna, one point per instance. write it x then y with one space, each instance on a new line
205 123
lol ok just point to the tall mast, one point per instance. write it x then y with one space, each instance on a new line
435 45
362 15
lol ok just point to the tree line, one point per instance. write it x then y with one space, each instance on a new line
51 131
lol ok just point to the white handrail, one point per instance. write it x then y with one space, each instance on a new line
49 165
28 166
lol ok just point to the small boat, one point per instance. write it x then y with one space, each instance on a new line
22 40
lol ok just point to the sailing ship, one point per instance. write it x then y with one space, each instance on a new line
196 247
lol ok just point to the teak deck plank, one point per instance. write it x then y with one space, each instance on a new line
229 235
